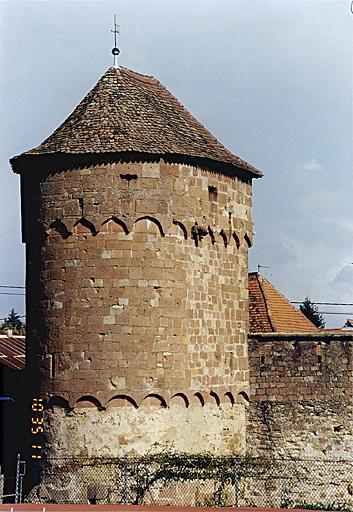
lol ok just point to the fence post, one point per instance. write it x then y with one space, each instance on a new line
17 480
236 482
22 474
2 481
19 475
126 483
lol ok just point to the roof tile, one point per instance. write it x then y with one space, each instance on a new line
130 112
270 311
12 351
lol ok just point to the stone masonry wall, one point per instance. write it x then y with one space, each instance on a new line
87 432
301 398
143 287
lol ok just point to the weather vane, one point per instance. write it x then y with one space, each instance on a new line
115 50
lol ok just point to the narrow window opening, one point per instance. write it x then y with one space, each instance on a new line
80 202
262 359
319 359
128 177
212 193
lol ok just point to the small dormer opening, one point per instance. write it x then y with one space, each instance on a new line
212 193
80 202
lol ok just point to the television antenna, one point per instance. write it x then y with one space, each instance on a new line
261 266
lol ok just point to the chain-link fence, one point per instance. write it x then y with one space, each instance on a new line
168 479
11 486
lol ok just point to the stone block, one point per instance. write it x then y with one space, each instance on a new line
106 254
109 319
96 283
150 170
117 383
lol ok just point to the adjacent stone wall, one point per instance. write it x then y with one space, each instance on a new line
301 396
143 286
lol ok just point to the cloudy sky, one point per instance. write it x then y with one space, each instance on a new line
272 79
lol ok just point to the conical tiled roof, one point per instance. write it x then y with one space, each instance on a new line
270 311
130 112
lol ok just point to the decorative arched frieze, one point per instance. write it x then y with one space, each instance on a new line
229 397
224 237
154 399
154 221
179 399
200 398
215 397
211 235
198 233
60 228
58 401
247 240
121 401
83 226
115 224
88 401
182 228
185 399
236 239
242 398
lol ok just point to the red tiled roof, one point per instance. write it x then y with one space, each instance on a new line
13 351
130 112
270 311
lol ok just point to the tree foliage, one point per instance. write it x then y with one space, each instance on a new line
311 311
14 323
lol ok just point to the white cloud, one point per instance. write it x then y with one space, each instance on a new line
312 165
342 273
322 272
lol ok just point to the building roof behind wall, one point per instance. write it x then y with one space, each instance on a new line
13 351
270 311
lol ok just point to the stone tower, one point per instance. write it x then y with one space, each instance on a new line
137 224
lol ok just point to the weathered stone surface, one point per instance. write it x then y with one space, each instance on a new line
151 277
301 399
91 433
312 429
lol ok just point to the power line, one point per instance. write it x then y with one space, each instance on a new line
335 313
326 303
5 286
9 293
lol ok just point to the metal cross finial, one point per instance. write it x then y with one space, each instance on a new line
115 50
